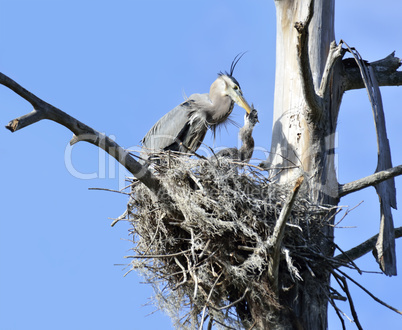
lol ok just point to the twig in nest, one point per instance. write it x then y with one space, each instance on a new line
110 190
235 302
250 165
119 218
209 297
346 213
158 255
344 285
204 249
184 272
350 260
193 152
338 312
369 293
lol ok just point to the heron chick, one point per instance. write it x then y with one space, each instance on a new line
245 152
183 128
245 134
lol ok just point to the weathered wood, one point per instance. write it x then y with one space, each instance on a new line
385 247
368 181
304 127
385 71
277 236
362 249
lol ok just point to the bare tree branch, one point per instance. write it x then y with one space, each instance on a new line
362 249
313 100
277 236
369 293
82 132
344 285
385 70
371 180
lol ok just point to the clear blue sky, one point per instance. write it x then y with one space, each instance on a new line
118 66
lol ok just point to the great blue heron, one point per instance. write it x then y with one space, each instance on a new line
183 128
245 134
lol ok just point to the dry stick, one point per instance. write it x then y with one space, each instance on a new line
338 312
209 297
344 286
276 239
204 249
346 213
247 164
224 325
184 272
235 302
369 293
335 295
125 213
158 255
192 151
349 259
371 180
110 190
362 248
210 323
82 132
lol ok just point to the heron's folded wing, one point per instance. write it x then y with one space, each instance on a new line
167 129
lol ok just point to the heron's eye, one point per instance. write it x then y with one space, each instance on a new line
235 87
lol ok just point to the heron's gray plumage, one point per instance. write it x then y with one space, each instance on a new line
183 128
183 125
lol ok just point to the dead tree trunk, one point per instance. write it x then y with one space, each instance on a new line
307 100
310 82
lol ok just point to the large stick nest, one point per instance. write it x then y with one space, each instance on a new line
208 253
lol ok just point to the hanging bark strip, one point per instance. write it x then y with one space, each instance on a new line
385 247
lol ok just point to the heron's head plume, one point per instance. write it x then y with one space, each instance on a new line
232 67
227 85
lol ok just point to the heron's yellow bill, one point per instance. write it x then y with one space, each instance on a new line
243 103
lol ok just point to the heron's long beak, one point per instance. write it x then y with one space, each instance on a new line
241 101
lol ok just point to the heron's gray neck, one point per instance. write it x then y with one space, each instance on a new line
221 108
